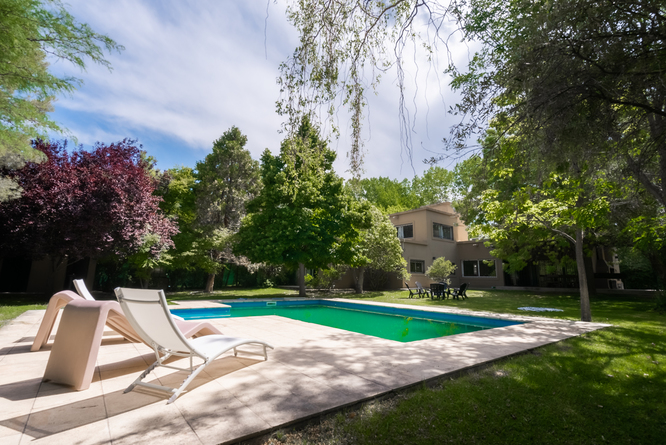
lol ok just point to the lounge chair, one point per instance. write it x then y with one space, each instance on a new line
147 312
459 292
116 321
82 290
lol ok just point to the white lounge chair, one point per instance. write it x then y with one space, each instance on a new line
147 312
116 320
82 290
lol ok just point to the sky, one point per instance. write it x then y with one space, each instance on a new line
192 69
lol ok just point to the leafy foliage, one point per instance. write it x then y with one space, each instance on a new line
344 49
531 196
581 81
226 180
381 249
440 270
84 204
30 32
391 195
302 215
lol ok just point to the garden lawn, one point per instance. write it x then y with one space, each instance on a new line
608 386
13 305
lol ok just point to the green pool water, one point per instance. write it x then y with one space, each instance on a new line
391 327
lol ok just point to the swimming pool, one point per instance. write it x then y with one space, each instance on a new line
391 323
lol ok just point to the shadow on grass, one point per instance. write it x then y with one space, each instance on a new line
603 387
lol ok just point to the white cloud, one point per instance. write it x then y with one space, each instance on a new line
193 69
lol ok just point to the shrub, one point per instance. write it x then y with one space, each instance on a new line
440 270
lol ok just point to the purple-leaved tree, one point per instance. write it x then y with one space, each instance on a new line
83 204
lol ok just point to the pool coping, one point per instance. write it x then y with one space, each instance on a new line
395 310
313 371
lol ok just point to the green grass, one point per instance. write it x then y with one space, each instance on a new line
605 387
13 305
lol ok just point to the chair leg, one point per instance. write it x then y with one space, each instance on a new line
187 381
142 376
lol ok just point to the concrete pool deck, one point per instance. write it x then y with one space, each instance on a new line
313 370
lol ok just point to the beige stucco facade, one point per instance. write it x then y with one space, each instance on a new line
426 244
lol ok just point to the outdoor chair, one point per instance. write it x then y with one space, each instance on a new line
435 290
149 315
82 290
411 292
459 292
440 290
422 291
116 321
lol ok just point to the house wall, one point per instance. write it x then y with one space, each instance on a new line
476 250
424 246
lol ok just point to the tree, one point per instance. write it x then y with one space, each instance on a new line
31 31
379 249
584 68
530 197
84 204
346 46
302 217
391 195
435 186
440 270
226 180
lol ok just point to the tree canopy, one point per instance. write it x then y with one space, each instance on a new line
32 33
577 87
391 195
345 47
380 249
302 216
440 270
84 204
225 180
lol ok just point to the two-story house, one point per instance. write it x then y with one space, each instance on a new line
433 231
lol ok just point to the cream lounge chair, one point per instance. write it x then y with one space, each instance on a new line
82 290
147 312
115 321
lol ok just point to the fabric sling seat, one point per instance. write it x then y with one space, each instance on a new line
148 313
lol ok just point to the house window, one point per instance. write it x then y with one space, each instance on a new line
442 231
416 266
479 268
406 231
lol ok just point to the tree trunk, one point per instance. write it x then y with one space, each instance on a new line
585 312
589 270
210 283
360 272
301 280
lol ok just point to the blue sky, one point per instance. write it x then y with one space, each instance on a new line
192 69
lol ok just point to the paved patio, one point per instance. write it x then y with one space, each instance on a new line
313 370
